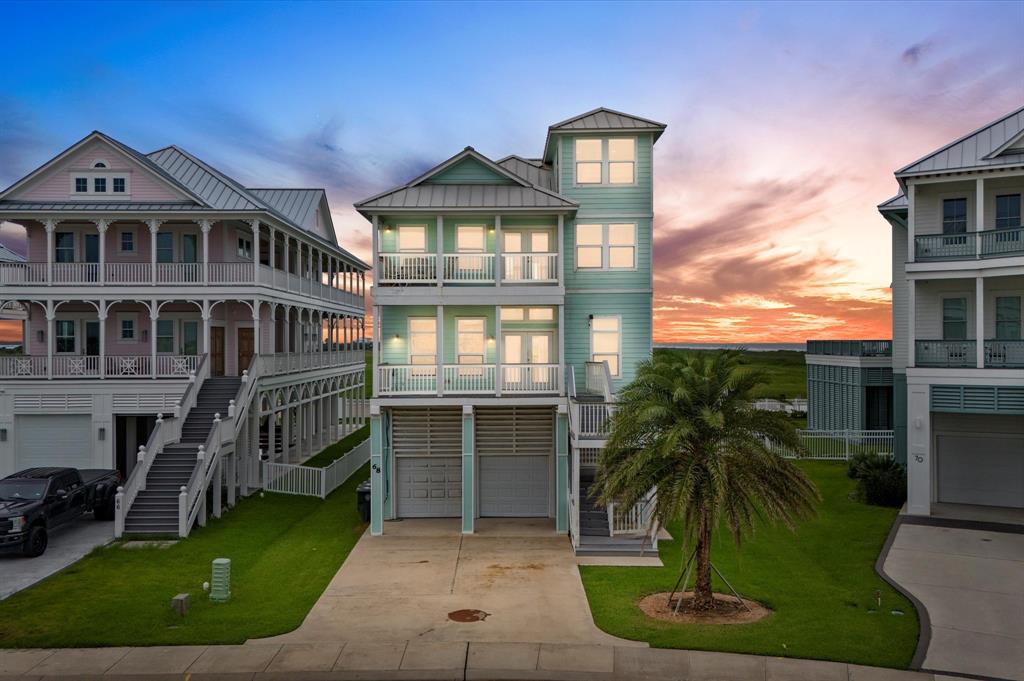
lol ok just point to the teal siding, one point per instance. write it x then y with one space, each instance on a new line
595 199
451 314
395 322
899 417
389 232
635 311
609 279
451 229
468 171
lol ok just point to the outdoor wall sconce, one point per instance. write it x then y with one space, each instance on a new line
103 434
396 337
3 435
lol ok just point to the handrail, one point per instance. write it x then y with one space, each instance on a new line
136 481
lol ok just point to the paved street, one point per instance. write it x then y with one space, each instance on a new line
67 545
972 584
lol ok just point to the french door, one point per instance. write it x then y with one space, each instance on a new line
525 356
527 255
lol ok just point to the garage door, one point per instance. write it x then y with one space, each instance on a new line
515 446
427 443
59 440
429 487
984 470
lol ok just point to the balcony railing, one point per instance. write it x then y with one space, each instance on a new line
466 379
1004 354
850 348
994 243
472 268
944 353
183 273
292 362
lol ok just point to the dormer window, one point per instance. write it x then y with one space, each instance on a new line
81 185
99 185
605 161
118 183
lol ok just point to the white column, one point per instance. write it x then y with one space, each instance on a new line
154 314
154 226
50 226
255 249
287 255
286 433
499 261
440 252
271 434
439 336
255 331
204 227
206 313
560 249
375 237
979 220
497 349
979 320
273 250
50 316
911 210
101 227
561 349
912 325
375 331
102 317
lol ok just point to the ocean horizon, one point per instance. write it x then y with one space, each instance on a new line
753 347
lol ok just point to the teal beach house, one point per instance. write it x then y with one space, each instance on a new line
511 300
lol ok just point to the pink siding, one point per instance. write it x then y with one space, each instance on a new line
55 183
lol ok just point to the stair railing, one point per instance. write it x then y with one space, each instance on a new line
195 383
162 434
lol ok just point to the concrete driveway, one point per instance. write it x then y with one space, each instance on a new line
68 544
403 585
972 584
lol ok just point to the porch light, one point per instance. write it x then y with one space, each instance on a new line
3 435
103 434
396 337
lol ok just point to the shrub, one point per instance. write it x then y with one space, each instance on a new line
881 481
856 462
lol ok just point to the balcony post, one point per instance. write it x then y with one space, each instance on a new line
102 317
912 312
979 320
255 248
439 350
206 314
50 226
499 261
911 205
979 224
375 237
439 262
51 315
375 331
273 252
154 314
255 330
497 350
559 247
204 227
154 226
101 227
287 258
561 349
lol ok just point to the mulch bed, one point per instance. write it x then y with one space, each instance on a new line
727 610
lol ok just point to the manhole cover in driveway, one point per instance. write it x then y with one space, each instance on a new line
468 615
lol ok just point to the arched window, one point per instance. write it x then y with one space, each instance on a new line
99 164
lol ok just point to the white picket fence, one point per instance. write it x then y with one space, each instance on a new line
798 404
286 478
840 445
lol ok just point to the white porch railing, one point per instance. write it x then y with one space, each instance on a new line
76 272
469 378
469 267
593 418
176 365
408 268
291 362
407 379
72 366
22 366
230 272
128 273
129 365
633 520
530 378
797 404
839 445
179 272
311 481
22 272
88 366
529 267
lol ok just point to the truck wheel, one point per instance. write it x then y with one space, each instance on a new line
35 543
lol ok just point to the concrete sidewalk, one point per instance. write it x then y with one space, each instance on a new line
436 660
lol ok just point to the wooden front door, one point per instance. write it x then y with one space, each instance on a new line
217 350
245 349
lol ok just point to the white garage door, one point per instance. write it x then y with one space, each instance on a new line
58 440
985 470
514 486
429 487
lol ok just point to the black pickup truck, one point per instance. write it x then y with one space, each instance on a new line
37 500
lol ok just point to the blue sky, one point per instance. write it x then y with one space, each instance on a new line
786 120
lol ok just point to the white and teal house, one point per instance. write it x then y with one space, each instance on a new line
511 299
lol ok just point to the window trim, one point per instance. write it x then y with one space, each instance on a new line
606 247
409 334
246 252
73 248
483 335
133 317
1020 210
90 175
966 320
120 242
398 238
174 335
606 162
590 336
967 213
1020 315
57 336
483 235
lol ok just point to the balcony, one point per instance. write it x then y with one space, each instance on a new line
994 243
998 354
468 268
850 348
468 379
240 273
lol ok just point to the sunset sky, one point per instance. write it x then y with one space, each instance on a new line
785 121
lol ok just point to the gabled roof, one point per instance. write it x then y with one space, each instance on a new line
518 193
896 203
997 144
7 255
216 189
534 170
602 119
298 205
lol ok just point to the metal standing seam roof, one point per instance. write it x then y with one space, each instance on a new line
467 196
7 255
898 202
214 187
988 146
298 205
96 206
603 118
532 170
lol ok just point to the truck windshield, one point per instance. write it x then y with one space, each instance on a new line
18 490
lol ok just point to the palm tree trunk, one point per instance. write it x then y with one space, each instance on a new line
702 595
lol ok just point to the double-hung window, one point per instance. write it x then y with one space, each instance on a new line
412 239
81 185
64 247
127 241
606 341
64 330
244 248
423 345
954 319
119 186
413 263
1008 318
1008 218
99 185
469 263
470 343
127 325
165 335
610 246
954 220
605 161
164 247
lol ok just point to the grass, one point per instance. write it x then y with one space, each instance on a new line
338 449
786 370
819 581
283 549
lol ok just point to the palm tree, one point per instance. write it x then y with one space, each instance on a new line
687 425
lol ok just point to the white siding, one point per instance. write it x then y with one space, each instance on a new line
900 302
930 197
928 317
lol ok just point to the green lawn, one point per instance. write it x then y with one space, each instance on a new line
820 582
283 549
785 368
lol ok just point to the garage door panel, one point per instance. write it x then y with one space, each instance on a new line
53 440
514 486
978 469
429 487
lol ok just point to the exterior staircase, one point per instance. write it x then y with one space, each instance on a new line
595 535
155 510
